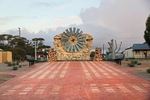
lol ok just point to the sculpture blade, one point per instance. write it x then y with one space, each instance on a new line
74 30
70 30
77 48
77 30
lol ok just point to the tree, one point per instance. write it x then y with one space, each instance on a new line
5 38
113 48
38 42
19 46
4 41
147 31
41 48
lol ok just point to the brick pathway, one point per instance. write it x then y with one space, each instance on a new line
75 81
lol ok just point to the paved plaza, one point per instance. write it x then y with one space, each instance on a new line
85 80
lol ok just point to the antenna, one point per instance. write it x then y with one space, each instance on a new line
19 31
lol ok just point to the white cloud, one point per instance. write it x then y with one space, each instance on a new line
4 21
123 20
64 22
53 24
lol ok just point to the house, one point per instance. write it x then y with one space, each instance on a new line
138 51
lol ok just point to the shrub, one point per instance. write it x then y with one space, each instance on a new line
148 70
131 64
15 67
134 62
9 64
17 63
139 63
20 66
6 62
13 63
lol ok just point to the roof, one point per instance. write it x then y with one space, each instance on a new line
141 47
128 48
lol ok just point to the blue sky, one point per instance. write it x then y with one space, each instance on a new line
122 20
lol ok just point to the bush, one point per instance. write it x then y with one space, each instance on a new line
134 62
131 64
148 70
139 63
20 66
13 63
6 62
15 67
17 63
9 64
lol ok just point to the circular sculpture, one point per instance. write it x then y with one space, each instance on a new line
73 40
73 44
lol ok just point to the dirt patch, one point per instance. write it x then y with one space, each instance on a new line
5 77
138 70
6 68
142 74
7 72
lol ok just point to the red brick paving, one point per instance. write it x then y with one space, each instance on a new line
75 81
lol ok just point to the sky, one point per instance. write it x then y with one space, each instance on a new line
121 20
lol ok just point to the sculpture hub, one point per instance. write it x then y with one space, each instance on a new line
73 40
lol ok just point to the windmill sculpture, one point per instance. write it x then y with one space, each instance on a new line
72 44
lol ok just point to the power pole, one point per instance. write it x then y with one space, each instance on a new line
19 31
103 50
35 49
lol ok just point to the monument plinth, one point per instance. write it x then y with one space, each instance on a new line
73 44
